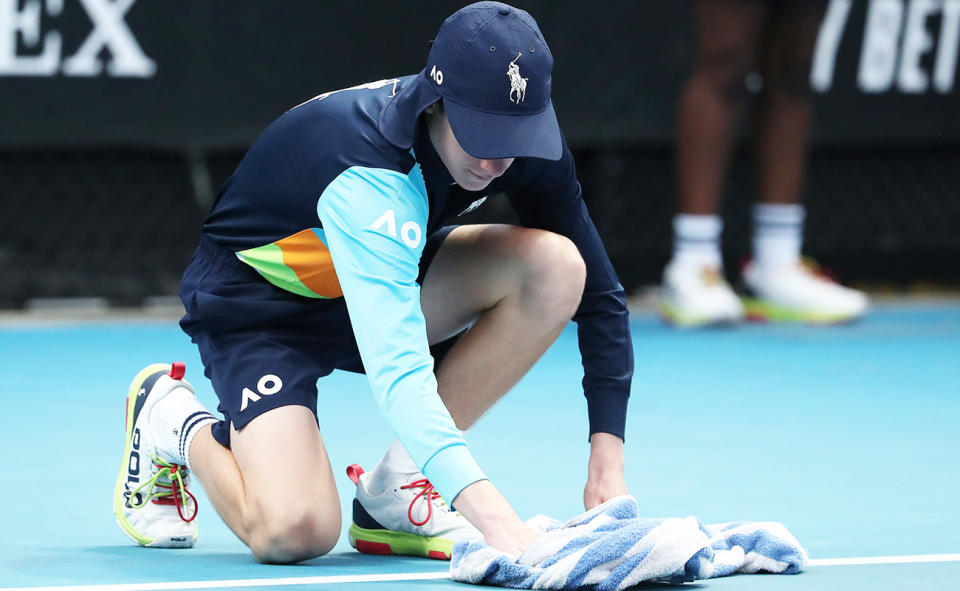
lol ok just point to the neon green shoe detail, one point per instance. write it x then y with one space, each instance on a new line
173 489
119 488
759 310
384 541
677 317
800 292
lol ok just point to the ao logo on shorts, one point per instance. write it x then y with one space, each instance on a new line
266 386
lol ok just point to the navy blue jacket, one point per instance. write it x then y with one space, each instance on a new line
335 199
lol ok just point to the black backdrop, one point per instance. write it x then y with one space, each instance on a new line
219 71
116 127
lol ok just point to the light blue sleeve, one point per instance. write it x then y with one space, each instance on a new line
373 221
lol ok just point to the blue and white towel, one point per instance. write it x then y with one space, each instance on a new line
610 548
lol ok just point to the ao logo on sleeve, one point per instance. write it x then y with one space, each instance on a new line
410 232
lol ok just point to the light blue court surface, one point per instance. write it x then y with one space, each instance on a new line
848 435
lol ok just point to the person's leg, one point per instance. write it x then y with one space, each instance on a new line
264 467
782 130
782 287
273 487
515 289
694 290
508 291
728 32
782 119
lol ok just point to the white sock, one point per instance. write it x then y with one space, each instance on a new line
697 237
181 414
777 233
394 463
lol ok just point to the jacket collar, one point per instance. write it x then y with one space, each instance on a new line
398 119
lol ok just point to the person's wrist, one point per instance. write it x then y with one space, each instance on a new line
483 505
606 454
471 498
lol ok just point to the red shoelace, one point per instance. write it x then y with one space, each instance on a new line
427 492
173 495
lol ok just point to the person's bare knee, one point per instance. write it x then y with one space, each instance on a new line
288 534
555 274
728 35
292 510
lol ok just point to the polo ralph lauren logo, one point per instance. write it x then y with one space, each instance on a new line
518 84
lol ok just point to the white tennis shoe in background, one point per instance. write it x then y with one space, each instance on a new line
800 292
695 293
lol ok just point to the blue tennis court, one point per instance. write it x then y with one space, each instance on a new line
848 435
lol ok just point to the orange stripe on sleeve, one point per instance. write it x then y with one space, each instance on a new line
309 258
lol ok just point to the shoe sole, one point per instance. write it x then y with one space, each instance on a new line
761 311
674 317
383 541
118 489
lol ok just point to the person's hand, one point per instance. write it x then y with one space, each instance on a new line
511 536
605 470
483 506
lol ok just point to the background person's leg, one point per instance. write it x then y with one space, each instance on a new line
782 119
782 287
694 290
782 130
715 93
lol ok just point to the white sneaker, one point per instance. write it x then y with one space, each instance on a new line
151 501
800 293
407 517
695 293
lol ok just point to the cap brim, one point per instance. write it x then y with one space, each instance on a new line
492 136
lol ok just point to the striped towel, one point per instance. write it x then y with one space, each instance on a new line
610 548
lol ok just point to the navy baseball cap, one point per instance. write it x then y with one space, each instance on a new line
492 68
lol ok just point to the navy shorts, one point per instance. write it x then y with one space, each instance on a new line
263 347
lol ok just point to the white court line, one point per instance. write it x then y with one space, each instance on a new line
323 580
914 558
243 582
